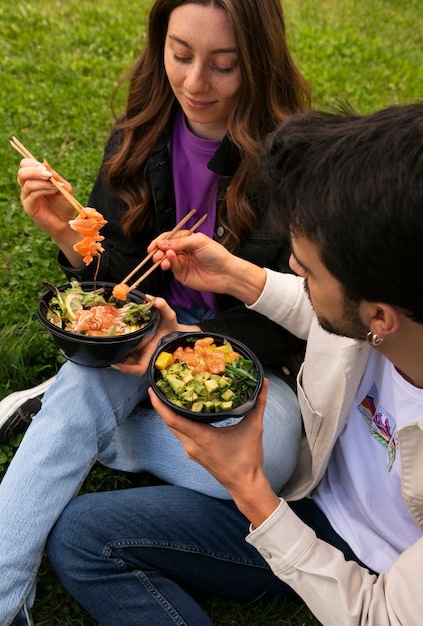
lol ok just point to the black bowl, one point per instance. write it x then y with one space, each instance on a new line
96 351
170 342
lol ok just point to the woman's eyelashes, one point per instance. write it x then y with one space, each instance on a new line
186 60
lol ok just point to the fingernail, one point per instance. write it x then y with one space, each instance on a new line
46 173
115 367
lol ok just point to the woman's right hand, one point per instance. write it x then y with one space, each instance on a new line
41 200
48 208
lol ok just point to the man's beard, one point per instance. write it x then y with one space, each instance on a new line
351 324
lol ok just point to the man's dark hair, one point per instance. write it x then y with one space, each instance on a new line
353 185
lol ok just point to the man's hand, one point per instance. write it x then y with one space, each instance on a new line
201 263
232 454
196 261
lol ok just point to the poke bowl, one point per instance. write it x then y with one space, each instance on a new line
206 377
67 313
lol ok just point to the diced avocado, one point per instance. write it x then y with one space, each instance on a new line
177 385
199 387
189 395
163 386
227 395
187 377
211 385
176 369
224 381
197 407
177 402
225 406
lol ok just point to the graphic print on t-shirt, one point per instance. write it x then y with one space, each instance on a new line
381 424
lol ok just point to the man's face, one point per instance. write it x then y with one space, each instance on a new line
336 313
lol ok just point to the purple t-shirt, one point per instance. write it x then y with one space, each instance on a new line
195 188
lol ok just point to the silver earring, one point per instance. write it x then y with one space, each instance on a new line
373 339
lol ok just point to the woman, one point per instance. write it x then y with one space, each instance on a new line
214 79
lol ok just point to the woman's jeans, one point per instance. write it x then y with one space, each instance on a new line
93 414
140 556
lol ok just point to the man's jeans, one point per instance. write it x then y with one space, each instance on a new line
93 414
140 556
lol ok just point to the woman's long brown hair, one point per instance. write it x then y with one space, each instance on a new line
271 89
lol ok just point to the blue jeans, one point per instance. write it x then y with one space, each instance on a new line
139 556
95 414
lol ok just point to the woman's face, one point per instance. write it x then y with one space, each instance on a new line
202 68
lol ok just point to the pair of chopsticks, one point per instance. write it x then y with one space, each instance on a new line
19 147
169 236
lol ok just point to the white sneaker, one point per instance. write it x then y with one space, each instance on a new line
18 409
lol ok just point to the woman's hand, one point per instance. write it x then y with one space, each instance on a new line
41 200
47 207
232 454
137 362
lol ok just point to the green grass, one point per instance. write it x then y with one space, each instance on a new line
60 62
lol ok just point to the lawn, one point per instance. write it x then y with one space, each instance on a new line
60 62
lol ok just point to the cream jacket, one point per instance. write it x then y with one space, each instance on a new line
337 592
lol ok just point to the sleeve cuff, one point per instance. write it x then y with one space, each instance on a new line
282 538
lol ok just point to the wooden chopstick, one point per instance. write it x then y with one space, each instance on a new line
149 256
19 147
74 202
153 267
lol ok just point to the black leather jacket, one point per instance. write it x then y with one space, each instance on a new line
272 344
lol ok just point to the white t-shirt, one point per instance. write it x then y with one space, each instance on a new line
361 491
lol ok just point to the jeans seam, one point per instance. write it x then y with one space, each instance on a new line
170 545
145 581
155 593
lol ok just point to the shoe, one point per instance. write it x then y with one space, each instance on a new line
18 409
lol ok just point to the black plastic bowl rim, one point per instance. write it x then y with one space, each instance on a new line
170 342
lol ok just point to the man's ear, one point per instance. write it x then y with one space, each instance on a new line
383 319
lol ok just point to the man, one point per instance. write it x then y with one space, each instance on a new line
350 540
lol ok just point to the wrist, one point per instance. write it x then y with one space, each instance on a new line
245 281
257 501
189 328
66 245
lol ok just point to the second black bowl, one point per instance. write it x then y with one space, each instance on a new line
171 342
